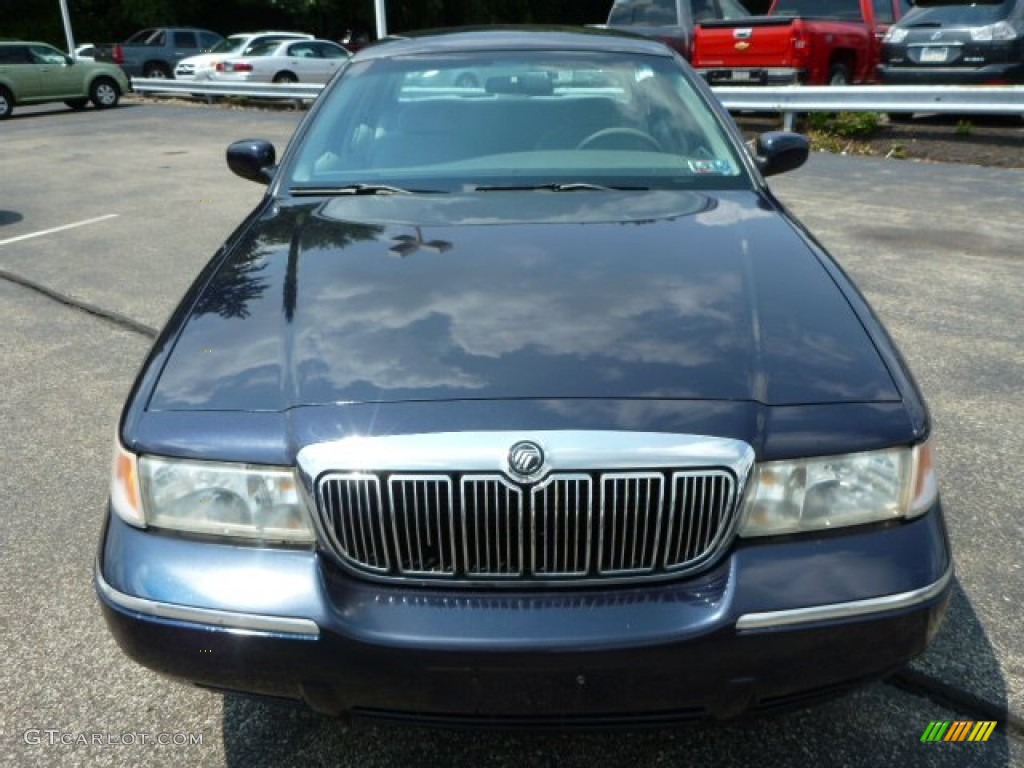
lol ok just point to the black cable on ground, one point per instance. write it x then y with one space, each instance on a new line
116 318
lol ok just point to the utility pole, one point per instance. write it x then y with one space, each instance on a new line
382 18
69 36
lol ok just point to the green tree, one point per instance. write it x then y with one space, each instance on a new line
110 20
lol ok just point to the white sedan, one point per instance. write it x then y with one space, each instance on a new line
287 61
202 66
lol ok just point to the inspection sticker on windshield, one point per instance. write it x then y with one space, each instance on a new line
706 167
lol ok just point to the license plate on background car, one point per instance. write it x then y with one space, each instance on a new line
933 55
737 76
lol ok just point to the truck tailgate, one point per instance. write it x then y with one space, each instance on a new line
755 43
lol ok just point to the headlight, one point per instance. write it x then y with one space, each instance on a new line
1000 31
236 500
895 35
836 491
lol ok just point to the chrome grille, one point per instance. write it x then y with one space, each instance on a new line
492 524
700 501
561 526
423 522
631 507
354 519
570 526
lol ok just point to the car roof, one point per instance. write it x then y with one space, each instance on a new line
296 35
178 29
299 40
519 38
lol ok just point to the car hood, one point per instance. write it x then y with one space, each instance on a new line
519 296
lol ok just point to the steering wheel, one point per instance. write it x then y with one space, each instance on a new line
616 136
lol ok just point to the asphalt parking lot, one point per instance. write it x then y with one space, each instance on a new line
105 217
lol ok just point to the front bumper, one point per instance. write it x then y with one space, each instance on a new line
775 624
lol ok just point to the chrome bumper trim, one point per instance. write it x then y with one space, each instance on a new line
249 622
838 611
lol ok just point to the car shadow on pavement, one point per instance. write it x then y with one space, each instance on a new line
9 217
882 724
961 663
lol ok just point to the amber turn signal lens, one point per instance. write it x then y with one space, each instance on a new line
125 497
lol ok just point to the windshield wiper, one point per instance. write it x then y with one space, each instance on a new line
572 186
360 189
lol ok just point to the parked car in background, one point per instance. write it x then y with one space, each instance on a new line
85 52
814 42
202 66
956 43
671 21
155 52
528 406
36 73
288 61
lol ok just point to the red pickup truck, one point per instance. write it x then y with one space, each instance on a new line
814 42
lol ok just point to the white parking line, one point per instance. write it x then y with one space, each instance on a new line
57 229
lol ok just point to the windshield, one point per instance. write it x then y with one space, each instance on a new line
461 122
230 44
977 14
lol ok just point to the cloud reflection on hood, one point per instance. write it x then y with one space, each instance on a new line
557 297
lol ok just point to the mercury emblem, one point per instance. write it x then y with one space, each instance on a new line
525 458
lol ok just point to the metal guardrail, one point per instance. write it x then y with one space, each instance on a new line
789 100
793 99
214 88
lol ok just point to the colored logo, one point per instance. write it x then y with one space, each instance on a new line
958 730
742 45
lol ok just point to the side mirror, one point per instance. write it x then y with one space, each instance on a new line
780 151
253 159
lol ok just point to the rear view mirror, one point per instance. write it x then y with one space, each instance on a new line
526 84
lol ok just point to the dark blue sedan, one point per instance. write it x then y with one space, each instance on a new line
520 399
